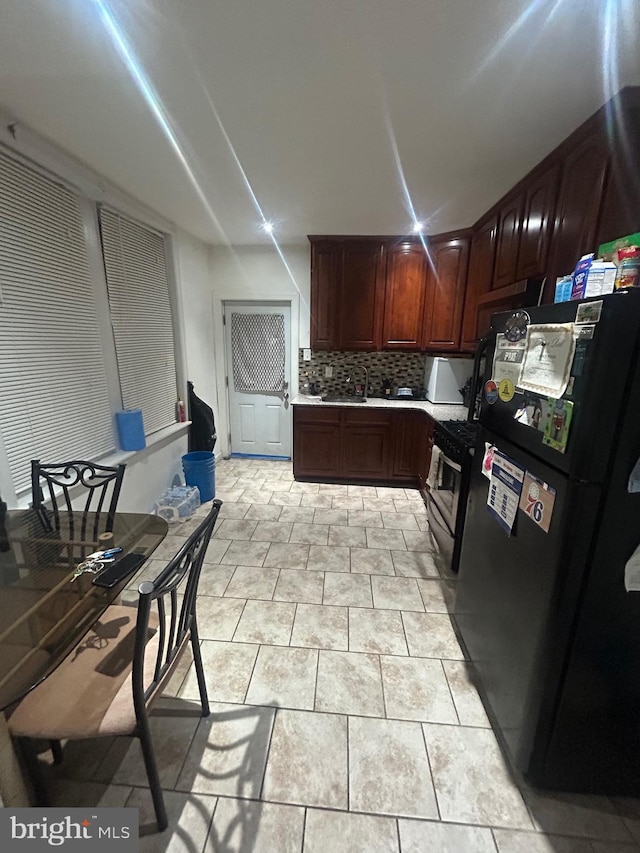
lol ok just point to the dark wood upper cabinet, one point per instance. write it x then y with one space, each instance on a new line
537 222
326 263
584 172
446 280
361 300
406 282
509 222
479 279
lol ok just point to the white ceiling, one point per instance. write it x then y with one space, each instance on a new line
332 113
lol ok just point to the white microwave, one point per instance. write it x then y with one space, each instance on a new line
444 377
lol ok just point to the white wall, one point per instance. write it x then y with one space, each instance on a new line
259 273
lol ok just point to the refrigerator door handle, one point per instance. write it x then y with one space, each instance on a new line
483 345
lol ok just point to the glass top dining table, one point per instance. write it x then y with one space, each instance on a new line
44 610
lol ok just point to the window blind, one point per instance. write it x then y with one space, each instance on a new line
136 271
54 402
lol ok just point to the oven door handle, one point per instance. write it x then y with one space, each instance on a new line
450 463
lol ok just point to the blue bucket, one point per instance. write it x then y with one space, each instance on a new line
200 470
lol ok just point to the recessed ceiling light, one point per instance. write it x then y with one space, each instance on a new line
418 227
267 227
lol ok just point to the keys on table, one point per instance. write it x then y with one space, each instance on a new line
95 562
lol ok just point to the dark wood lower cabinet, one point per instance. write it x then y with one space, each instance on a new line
361 445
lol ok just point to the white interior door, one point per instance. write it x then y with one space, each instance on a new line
259 377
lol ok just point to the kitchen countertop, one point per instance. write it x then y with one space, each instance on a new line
438 411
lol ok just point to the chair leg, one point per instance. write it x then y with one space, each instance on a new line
29 754
56 751
144 733
197 659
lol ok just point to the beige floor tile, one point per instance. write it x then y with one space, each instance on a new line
354 537
189 818
576 814
300 586
214 579
396 593
218 617
233 510
347 501
416 689
263 512
381 538
284 677
378 505
272 531
416 507
245 553
303 514
415 564
216 550
252 582
376 631
347 590
388 769
169 547
416 540
465 695
425 835
327 558
316 501
362 491
286 499
423 522
349 683
308 760
172 735
227 671
255 496
309 534
320 627
360 518
229 751
371 562
330 516
234 528
72 793
333 489
438 596
399 521
249 480
431 635
517 841
266 622
462 760
278 485
242 826
172 688
229 495
344 832
390 492
308 488
285 556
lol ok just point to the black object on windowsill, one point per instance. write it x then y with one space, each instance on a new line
4 538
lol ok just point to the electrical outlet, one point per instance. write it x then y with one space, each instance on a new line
306 355
328 372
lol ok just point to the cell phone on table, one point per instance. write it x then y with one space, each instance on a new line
119 570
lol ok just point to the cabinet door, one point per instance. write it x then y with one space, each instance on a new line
507 245
445 294
361 302
316 442
406 430
479 278
537 221
583 176
404 296
366 444
326 268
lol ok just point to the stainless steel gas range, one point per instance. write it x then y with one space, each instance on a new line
448 483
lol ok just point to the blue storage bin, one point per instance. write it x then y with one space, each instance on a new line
200 470
131 429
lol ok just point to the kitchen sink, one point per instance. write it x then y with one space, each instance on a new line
342 398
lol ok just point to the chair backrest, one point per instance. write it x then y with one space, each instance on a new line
102 490
175 617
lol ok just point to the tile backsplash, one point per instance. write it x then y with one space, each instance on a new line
401 368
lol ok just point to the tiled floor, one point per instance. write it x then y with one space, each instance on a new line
344 717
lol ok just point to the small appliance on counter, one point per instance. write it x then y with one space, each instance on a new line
444 377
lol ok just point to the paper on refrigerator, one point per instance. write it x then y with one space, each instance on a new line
505 487
507 360
548 356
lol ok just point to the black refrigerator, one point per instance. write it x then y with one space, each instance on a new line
543 613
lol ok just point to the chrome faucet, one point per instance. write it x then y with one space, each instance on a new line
365 371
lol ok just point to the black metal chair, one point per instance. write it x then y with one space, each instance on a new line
101 482
107 684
